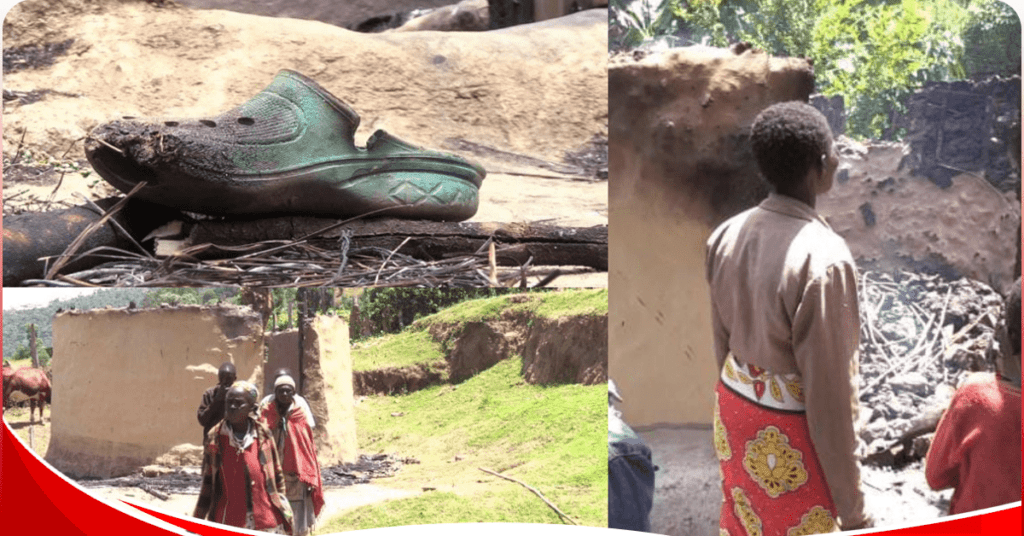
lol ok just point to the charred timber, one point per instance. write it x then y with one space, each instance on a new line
31 238
517 242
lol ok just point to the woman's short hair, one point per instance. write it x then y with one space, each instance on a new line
788 139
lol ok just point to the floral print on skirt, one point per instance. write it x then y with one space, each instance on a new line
772 481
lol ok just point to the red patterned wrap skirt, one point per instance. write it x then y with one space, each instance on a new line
772 481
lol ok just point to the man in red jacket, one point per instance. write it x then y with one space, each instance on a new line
976 449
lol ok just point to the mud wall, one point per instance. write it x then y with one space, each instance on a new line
680 163
128 382
282 352
327 386
895 219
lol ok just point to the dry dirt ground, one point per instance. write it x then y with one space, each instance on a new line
521 97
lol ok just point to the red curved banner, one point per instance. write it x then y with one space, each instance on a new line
34 497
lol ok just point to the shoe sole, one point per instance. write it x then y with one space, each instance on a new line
400 186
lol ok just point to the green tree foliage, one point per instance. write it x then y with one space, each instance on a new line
24 352
991 39
189 296
634 22
281 297
872 52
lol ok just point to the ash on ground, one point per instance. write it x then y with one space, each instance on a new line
591 157
33 56
921 335
163 481
369 466
155 480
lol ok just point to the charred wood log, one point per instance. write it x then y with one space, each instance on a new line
517 242
31 238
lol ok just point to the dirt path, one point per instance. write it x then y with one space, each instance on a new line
336 500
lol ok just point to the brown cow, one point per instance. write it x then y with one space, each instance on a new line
8 372
28 384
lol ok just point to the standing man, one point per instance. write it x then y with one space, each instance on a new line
294 438
299 400
243 484
211 409
786 328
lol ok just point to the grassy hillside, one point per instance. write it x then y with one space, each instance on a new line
550 437
575 302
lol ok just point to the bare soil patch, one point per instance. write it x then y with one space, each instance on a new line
395 380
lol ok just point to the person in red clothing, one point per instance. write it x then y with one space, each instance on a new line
243 483
293 436
976 449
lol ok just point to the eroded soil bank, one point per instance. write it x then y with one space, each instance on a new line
554 351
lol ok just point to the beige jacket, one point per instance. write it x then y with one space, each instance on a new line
784 297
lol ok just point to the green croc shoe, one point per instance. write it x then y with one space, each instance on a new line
288 150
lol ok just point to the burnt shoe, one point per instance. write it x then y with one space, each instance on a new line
288 150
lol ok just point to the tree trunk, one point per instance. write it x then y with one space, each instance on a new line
32 345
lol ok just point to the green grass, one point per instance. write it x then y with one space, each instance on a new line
586 302
551 437
555 304
410 347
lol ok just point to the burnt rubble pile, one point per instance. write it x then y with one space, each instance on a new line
368 467
920 336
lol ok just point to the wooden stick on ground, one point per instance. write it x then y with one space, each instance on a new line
535 492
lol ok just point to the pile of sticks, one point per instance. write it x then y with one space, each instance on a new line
296 265
925 348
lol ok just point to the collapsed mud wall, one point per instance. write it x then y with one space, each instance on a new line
966 127
126 383
680 164
946 199
895 219
326 370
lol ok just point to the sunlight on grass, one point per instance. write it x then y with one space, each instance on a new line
409 347
18 419
20 363
588 302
